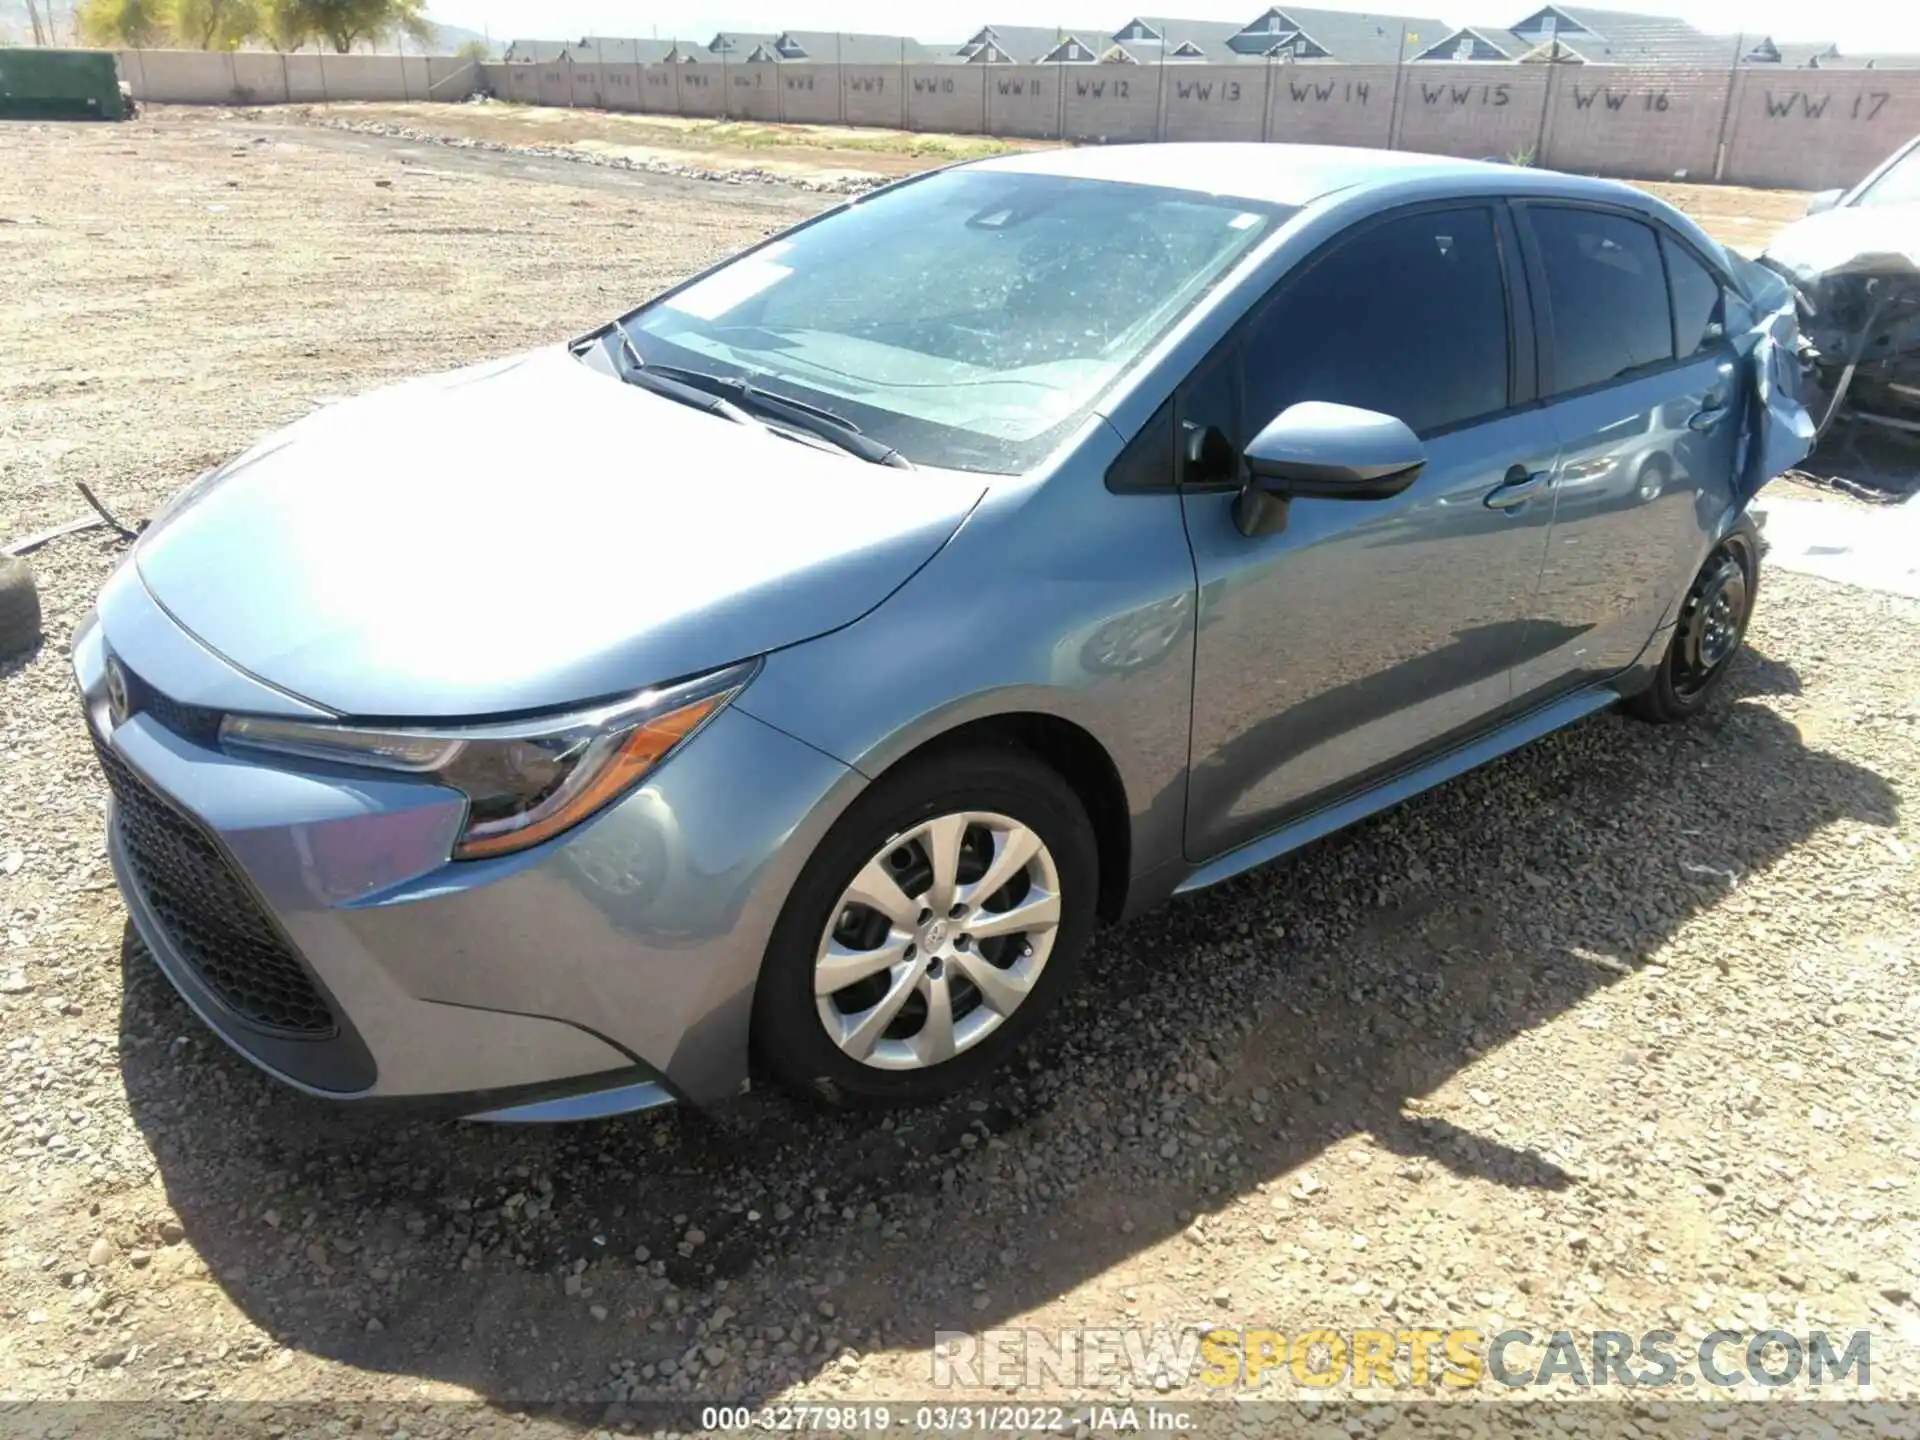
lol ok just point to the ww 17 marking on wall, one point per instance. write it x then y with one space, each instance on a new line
1811 107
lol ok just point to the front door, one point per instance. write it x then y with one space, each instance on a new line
1643 393
1366 632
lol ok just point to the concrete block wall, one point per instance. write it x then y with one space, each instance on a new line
1806 128
1351 106
1817 128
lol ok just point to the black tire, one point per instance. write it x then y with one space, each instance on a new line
19 608
1708 634
789 1038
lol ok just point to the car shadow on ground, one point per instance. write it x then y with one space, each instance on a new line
1219 1043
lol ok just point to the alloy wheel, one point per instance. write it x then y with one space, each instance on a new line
937 940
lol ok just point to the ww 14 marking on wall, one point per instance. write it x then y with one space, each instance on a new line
1350 92
1810 107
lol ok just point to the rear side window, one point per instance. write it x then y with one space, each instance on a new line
1606 292
1407 317
1699 305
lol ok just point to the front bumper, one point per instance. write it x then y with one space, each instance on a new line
610 969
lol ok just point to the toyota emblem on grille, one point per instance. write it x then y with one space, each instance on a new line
119 702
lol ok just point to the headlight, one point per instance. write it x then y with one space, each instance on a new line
527 780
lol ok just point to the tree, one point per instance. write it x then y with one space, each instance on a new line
344 23
478 51
213 24
131 24
285 24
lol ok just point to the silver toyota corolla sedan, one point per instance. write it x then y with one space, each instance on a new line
787 678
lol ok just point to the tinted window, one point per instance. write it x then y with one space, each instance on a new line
1408 317
1607 293
1698 305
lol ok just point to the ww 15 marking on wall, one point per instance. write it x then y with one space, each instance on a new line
1810 107
1491 96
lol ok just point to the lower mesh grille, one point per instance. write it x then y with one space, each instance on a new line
209 913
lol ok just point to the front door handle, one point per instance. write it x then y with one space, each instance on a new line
1520 486
1706 419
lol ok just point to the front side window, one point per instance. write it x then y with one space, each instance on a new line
968 319
1606 292
1407 317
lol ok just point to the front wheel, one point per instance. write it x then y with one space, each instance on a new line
939 921
1711 628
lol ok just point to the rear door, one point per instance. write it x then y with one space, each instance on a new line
1642 388
1366 632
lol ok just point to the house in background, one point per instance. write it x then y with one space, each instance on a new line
1293 35
1576 35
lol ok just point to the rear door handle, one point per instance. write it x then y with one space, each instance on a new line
1520 486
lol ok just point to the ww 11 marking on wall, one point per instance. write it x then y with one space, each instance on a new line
1810 107
1491 96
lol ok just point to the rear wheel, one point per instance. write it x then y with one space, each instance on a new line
1711 628
935 927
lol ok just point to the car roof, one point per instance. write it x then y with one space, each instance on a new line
1289 174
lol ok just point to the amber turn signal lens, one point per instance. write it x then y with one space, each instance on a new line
633 754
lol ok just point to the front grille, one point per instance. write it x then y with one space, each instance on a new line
190 722
210 914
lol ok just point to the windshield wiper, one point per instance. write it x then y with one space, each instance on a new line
635 371
801 416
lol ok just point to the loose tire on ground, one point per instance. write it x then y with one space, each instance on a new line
1016 802
1709 633
19 608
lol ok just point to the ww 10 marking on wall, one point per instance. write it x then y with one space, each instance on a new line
1810 107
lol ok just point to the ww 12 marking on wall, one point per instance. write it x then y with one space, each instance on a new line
1094 89
1491 96
1864 107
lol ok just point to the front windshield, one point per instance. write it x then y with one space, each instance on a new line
968 319
1899 186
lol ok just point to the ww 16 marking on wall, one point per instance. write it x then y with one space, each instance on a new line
1492 96
1810 107
1612 99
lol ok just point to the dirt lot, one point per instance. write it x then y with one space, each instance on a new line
1615 1034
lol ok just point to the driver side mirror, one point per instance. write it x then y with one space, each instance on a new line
1323 451
1824 200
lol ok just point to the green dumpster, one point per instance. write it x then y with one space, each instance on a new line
42 84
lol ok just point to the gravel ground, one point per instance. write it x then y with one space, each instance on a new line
1612 1034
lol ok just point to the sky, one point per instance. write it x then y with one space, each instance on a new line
1857 25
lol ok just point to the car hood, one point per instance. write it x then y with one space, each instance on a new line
1851 239
526 534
